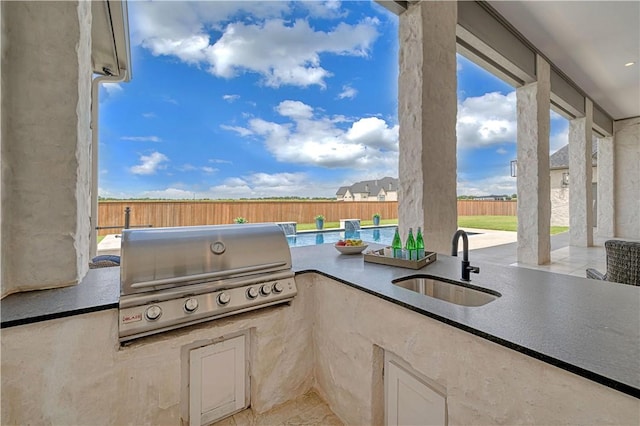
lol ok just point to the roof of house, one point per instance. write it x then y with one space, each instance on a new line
371 186
560 158
342 190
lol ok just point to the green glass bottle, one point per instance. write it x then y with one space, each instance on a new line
420 243
396 245
412 250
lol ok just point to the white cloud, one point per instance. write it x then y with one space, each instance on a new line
347 92
170 193
231 98
314 139
560 139
149 115
186 168
277 184
494 185
141 138
295 110
285 54
191 168
150 164
242 131
282 52
170 100
501 151
490 119
487 120
112 88
252 185
219 161
373 132
324 9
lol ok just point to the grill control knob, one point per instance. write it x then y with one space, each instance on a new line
277 288
153 312
252 293
190 305
223 299
265 290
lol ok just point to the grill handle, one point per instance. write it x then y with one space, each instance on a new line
208 275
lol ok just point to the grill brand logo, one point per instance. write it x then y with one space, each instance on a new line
126 319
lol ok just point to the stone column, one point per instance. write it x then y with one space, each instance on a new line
427 108
534 199
606 177
580 179
46 140
627 178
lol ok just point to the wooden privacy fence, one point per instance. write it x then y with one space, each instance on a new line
188 213
487 208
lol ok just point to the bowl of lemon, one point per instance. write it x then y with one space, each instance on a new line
350 246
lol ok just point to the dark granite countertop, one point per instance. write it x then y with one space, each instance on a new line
99 290
584 326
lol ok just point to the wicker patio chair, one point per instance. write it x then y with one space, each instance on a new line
104 261
623 263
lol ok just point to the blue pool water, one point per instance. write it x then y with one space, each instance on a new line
371 235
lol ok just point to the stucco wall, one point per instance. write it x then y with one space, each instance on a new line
485 383
627 178
427 108
46 110
560 196
534 203
72 371
559 206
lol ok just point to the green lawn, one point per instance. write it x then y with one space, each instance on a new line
498 223
100 238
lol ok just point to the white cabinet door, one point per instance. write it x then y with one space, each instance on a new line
410 400
216 381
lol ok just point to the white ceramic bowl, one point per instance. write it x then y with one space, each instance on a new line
351 249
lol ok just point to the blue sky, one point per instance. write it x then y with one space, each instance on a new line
243 100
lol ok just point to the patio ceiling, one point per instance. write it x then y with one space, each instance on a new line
590 42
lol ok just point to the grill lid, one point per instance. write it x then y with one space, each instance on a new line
159 258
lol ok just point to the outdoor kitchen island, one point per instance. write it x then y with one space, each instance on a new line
552 349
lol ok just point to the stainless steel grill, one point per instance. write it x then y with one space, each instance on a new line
174 277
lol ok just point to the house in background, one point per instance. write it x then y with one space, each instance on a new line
385 189
560 184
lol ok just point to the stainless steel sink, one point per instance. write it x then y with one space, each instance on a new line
449 291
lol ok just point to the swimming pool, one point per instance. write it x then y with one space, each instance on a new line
382 235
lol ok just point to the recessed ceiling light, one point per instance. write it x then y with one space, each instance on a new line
628 64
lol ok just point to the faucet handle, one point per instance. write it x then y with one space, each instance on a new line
474 269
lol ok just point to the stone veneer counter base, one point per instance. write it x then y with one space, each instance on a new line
586 327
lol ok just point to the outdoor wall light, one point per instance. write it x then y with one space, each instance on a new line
514 168
565 179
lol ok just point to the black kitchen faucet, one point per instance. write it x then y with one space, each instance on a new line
466 266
